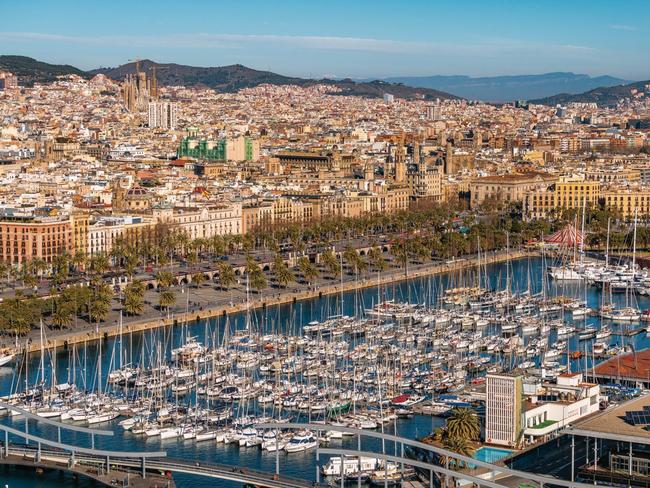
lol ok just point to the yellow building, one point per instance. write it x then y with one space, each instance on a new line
628 201
80 232
571 194
568 194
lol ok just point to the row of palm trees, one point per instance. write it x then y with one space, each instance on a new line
417 235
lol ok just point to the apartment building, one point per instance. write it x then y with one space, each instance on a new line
28 235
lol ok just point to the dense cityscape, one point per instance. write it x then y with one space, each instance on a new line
224 276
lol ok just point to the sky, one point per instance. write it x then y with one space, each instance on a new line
355 38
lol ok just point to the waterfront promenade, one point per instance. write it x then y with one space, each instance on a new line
209 301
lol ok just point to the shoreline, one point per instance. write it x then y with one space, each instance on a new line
64 339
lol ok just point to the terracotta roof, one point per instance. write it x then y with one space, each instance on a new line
625 366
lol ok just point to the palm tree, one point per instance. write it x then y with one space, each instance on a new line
165 279
166 299
134 298
376 259
400 252
198 279
62 316
100 301
18 316
307 269
354 261
283 274
331 263
130 262
79 260
257 280
458 445
227 276
99 264
463 423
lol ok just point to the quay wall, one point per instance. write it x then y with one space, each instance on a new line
67 338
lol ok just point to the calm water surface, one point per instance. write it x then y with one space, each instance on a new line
523 274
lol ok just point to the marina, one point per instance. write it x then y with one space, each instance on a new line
393 359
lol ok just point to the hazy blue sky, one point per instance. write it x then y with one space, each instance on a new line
355 38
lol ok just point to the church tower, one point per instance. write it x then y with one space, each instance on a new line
449 158
400 164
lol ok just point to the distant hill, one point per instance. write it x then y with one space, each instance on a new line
235 77
509 88
30 71
603 96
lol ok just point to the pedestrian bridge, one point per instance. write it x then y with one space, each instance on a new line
154 469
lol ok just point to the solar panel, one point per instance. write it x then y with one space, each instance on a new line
646 408
638 417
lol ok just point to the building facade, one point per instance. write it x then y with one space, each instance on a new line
503 409
162 115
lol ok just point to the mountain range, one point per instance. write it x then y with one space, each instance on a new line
235 77
509 88
603 96
30 71
549 88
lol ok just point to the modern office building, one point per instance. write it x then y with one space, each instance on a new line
503 409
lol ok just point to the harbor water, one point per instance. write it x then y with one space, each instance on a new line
89 364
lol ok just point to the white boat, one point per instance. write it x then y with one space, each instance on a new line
6 358
103 417
351 466
565 273
170 432
603 333
207 435
301 442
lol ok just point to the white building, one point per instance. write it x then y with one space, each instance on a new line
207 222
162 115
552 406
389 98
503 409
105 231
434 112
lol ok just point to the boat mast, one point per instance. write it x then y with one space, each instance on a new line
582 233
42 354
609 219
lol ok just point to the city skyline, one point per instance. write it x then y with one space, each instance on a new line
362 40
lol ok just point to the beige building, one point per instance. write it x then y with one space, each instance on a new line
426 182
628 200
507 188
206 222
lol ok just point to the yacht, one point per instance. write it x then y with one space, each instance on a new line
301 442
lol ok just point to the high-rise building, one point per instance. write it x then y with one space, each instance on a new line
8 80
162 115
389 98
503 409
434 112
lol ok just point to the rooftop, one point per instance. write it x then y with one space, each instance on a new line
612 421
626 366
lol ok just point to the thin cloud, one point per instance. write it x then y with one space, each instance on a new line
623 27
219 41
487 48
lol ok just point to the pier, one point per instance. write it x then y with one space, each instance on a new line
65 339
